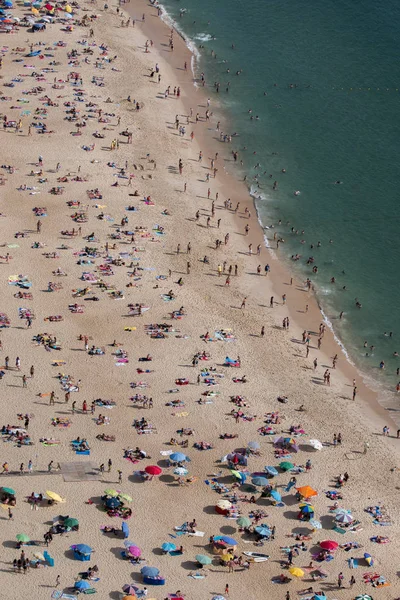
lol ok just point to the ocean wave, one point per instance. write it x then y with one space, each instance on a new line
171 22
204 37
328 323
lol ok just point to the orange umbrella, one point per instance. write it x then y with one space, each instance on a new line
306 491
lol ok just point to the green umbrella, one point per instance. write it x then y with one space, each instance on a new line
70 522
7 490
243 522
203 560
286 466
112 493
22 537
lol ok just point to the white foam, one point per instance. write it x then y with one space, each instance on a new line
168 20
335 337
204 37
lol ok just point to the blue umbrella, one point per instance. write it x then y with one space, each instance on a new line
168 547
263 530
318 597
275 495
177 457
83 548
226 539
125 529
82 585
113 503
260 481
149 571
271 471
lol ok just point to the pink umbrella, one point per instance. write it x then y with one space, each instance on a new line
134 551
153 470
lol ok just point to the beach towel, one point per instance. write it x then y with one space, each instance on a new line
355 563
339 530
83 452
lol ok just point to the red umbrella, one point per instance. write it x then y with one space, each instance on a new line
329 545
153 470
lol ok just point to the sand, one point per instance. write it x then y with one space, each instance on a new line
274 365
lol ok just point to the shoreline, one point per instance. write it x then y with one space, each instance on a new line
106 354
376 401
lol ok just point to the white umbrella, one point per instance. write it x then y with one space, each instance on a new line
343 517
316 444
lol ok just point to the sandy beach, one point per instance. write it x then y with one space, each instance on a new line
103 247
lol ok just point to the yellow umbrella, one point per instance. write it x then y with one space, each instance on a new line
296 572
68 9
39 556
35 11
226 557
54 496
125 497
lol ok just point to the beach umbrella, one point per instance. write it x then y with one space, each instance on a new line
71 522
260 481
112 493
168 547
316 444
263 530
9 491
306 491
54 496
180 471
178 457
134 551
82 585
343 517
125 529
129 597
68 9
253 445
113 503
286 465
296 572
128 588
39 556
363 597
153 470
203 559
271 471
226 557
224 504
218 598
225 539
82 548
329 545
316 524
307 509
275 495
149 571
243 522
319 597
368 558
22 537
125 497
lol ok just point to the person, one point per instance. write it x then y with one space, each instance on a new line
340 579
262 331
227 589
352 581
58 580
119 476
109 465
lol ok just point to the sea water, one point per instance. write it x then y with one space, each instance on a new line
322 82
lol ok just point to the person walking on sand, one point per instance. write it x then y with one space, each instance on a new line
243 305
109 465
271 302
18 363
24 384
227 590
32 371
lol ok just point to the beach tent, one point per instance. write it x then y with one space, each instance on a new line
82 552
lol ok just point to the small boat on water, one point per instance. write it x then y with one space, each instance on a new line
257 556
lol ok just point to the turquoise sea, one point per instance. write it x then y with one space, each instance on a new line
323 78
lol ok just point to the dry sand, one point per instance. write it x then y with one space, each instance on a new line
274 365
